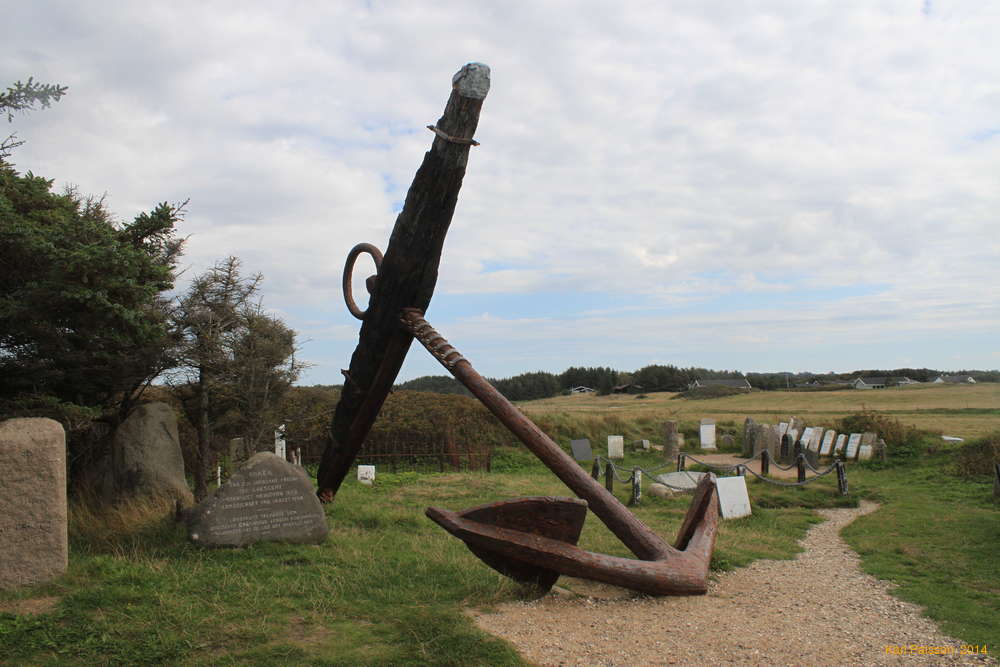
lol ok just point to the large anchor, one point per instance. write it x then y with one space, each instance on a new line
529 539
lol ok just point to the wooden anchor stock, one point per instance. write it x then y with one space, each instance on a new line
528 539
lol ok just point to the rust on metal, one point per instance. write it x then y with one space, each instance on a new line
662 569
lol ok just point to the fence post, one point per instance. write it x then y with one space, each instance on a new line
741 470
842 478
636 487
595 470
800 463
765 462
609 476
680 462
996 480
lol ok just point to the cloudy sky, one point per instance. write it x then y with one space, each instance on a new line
755 186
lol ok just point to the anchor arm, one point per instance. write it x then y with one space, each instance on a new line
640 540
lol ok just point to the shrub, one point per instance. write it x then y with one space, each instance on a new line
710 392
978 457
902 441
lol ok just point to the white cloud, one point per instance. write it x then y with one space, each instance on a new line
681 151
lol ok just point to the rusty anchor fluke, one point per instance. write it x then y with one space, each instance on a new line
534 539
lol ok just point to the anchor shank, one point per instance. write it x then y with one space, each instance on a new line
633 533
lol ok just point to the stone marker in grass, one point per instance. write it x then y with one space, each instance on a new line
581 449
734 501
616 447
707 433
265 500
826 449
853 443
33 537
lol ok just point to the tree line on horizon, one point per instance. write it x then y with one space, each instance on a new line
660 378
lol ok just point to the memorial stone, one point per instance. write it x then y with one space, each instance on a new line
727 441
868 438
815 438
838 447
265 500
34 545
772 438
734 501
826 449
852 446
671 443
366 474
616 447
786 449
796 424
782 428
865 452
642 444
748 437
146 457
581 449
707 433
806 438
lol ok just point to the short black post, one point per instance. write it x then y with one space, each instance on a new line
609 476
800 463
680 462
841 478
996 480
765 462
595 470
741 470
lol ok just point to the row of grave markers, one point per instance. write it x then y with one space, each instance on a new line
822 442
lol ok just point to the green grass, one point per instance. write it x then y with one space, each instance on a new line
389 587
937 537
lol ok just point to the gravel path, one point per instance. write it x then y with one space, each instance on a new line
758 615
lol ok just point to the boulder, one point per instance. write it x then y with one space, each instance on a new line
265 500
146 457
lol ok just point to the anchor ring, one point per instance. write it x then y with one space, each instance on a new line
352 257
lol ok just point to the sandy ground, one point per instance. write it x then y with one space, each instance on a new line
818 609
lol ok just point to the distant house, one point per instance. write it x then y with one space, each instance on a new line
581 390
905 380
741 383
954 379
869 383
627 389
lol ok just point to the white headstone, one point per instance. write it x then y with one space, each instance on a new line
865 452
782 429
852 446
815 439
794 435
707 434
807 435
644 444
826 449
616 447
279 443
366 474
734 501
838 447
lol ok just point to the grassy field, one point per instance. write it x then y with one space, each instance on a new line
966 411
389 587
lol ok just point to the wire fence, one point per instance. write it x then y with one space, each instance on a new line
612 472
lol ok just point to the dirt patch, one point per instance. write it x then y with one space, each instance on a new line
818 609
29 606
